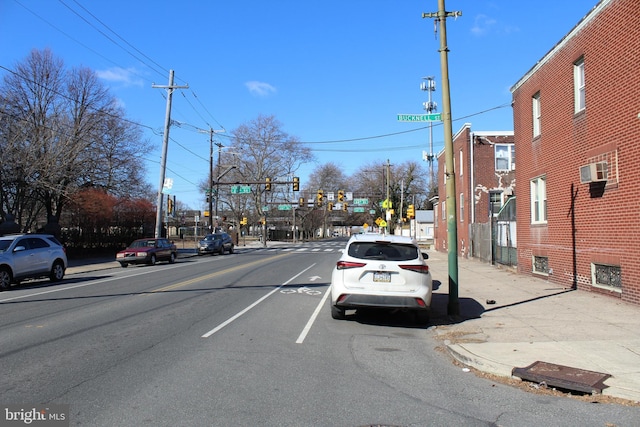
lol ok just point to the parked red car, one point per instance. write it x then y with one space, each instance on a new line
148 251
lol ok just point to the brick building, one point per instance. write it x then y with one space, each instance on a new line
577 128
484 166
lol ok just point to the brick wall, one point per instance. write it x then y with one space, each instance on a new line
587 223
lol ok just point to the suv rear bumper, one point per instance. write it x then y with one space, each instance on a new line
383 301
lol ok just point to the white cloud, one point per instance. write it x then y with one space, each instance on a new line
482 25
260 88
126 77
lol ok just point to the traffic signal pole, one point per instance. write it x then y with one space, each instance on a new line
453 306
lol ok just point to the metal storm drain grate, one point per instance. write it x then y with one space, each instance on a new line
563 377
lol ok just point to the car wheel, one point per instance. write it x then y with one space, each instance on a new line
422 317
123 264
57 272
231 249
337 313
153 260
221 251
5 279
172 258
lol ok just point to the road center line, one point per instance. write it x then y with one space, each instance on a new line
233 318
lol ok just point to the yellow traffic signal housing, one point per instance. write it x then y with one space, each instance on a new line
319 197
330 206
243 221
345 207
267 184
296 183
411 212
169 205
341 195
301 202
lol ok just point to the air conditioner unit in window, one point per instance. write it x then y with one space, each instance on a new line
593 172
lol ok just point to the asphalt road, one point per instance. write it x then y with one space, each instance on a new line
241 340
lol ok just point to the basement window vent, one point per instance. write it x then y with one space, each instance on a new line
609 276
541 265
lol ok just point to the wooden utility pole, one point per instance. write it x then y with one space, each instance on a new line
165 144
453 306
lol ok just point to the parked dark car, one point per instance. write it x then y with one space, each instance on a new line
216 243
147 251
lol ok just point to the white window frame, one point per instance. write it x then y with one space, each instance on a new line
539 200
461 207
535 111
461 163
493 195
579 85
510 150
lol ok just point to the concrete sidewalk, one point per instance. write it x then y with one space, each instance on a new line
510 320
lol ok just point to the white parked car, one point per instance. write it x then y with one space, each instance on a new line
382 272
26 256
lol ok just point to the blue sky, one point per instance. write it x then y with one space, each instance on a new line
335 73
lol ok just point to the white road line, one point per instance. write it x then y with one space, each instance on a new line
233 318
313 317
66 288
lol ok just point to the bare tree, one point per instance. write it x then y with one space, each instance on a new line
261 150
61 131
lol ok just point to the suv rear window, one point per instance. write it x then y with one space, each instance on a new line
383 251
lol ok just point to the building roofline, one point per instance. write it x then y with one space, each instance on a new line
555 49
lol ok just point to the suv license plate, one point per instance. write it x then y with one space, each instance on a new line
381 276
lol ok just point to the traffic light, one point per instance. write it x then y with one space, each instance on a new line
169 205
319 197
411 212
296 183
243 221
330 206
301 202
341 195
267 184
345 207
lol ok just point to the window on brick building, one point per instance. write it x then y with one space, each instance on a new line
461 163
461 207
609 276
579 85
495 202
536 114
505 155
539 200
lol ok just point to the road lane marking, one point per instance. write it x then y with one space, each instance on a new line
313 317
233 318
214 274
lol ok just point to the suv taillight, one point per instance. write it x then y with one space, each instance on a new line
424 269
343 265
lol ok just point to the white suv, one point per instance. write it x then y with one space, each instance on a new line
24 256
384 272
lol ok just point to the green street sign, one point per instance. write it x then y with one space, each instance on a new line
284 207
240 189
358 210
360 201
433 117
